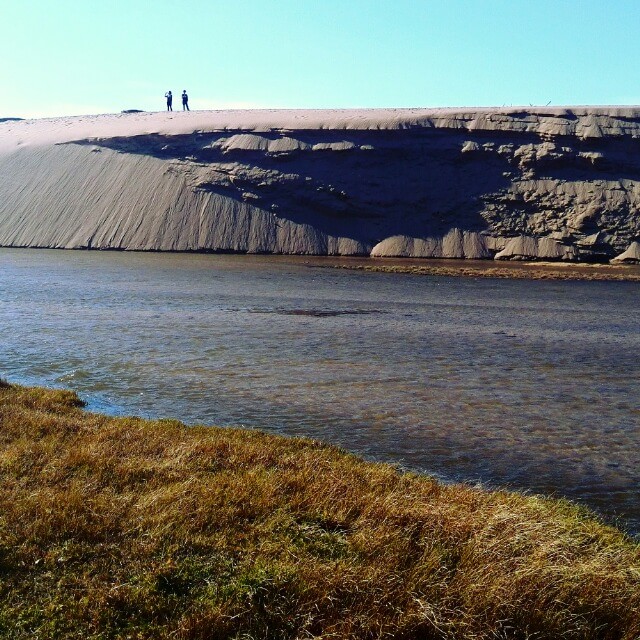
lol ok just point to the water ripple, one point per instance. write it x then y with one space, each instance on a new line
526 384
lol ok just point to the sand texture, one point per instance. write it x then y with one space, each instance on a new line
559 184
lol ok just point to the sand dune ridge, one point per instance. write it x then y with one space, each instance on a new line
509 183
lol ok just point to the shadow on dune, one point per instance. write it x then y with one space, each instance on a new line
366 185
372 184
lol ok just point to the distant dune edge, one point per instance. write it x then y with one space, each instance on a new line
507 184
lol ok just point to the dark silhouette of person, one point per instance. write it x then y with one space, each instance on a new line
185 100
169 98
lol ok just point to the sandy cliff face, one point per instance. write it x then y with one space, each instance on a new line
554 184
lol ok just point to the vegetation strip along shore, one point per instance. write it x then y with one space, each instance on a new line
131 528
530 271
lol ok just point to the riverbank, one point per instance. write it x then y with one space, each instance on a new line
485 268
122 527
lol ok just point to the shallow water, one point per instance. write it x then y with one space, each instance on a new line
526 384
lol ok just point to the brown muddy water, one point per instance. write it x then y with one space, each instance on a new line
523 384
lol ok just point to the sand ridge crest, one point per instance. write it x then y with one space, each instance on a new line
43 131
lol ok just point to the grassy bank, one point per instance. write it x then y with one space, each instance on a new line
509 271
127 528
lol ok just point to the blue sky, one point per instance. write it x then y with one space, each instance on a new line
64 57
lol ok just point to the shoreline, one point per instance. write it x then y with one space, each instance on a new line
503 269
149 527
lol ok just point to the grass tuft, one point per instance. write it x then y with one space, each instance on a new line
127 528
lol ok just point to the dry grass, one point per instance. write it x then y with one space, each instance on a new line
127 528
530 271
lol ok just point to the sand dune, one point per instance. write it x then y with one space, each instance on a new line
511 183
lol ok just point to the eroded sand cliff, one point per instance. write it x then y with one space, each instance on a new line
552 183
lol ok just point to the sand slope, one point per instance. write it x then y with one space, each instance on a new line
552 183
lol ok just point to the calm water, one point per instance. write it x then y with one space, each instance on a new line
526 384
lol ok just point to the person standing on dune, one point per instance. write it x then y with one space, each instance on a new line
185 100
169 98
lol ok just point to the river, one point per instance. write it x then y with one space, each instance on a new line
522 384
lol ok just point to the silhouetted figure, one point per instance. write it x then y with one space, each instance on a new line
185 100
169 98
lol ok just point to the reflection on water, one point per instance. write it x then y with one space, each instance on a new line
527 384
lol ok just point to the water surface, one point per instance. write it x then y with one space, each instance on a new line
525 384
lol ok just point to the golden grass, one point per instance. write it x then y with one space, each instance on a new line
128 528
530 271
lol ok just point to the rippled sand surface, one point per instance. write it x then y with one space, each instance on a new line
518 383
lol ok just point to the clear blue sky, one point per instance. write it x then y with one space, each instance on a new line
63 57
